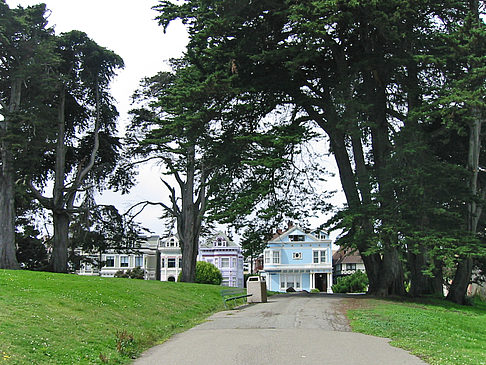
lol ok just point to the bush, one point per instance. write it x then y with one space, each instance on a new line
355 283
136 273
315 290
206 273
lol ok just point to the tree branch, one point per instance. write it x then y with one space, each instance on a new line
47 203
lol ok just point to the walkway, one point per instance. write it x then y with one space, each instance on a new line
289 329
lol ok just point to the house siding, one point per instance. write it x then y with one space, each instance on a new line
291 261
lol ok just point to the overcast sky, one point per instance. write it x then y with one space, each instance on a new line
128 28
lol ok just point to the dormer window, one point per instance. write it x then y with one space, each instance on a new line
172 242
297 238
220 242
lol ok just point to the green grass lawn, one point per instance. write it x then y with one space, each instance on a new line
437 331
50 318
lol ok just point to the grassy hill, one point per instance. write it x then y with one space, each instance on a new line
440 332
69 319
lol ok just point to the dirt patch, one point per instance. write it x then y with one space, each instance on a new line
351 303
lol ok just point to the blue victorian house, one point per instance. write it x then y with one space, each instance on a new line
299 260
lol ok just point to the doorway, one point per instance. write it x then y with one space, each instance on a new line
321 282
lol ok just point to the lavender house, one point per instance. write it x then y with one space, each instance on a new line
226 255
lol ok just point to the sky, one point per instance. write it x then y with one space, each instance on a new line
128 28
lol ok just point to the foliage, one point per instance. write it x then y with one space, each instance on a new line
125 343
31 251
206 273
389 83
135 273
439 332
354 283
315 290
39 309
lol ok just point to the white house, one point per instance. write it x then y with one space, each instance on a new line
299 260
226 255
170 259
143 257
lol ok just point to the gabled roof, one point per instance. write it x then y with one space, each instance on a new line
279 236
210 241
346 256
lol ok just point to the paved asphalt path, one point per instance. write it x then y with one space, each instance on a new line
289 329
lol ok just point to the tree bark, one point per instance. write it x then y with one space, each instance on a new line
190 218
462 278
61 219
8 259
59 256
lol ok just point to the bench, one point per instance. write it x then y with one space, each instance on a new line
233 294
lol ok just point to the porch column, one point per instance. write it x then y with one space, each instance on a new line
329 282
312 281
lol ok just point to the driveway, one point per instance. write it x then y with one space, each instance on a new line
289 329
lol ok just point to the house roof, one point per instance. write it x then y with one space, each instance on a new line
291 229
346 256
210 241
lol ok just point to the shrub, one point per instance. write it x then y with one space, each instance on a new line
315 290
206 273
355 283
136 273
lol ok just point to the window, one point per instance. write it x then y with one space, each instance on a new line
110 261
233 262
171 262
297 255
225 281
123 261
225 262
172 242
338 267
180 262
319 257
272 257
297 238
276 257
138 261
350 266
220 242
290 281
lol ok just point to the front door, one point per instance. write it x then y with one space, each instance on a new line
321 282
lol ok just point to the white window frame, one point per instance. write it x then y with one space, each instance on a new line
124 264
109 257
294 279
139 260
296 255
275 257
225 262
169 259
220 242
321 256
272 257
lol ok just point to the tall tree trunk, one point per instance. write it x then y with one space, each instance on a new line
8 259
421 284
462 278
189 224
61 219
372 261
61 235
